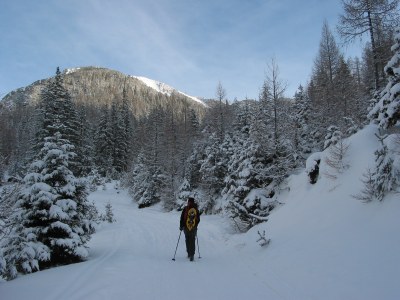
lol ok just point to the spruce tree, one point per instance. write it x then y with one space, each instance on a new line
386 111
384 177
103 143
52 209
303 139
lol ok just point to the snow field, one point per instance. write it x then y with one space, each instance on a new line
325 244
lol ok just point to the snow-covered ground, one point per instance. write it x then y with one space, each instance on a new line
324 245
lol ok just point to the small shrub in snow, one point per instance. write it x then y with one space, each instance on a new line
335 160
94 180
109 215
262 240
369 191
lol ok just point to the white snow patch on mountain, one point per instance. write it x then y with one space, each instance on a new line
164 88
71 70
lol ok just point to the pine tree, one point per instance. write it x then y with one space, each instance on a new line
248 197
333 136
386 112
303 141
184 192
127 133
109 216
213 166
85 145
249 173
346 92
103 143
51 211
384 177
323 90
118 140
138 178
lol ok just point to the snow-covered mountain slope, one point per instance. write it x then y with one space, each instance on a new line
164 88
96 86
324 245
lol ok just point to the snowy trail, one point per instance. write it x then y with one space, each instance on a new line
132 259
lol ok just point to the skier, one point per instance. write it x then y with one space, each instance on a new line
190 219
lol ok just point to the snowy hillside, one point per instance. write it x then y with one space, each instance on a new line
324 245
164 88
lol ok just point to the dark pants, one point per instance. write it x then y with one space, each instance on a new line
190 237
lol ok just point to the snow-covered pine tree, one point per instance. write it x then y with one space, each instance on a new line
333 136
184 192
171 156
103 143
386 112
245 206
86 145
155 185
137 179
127 132
303 140
51 212
118 140
385 176
109 216
193 165
246 200
213 167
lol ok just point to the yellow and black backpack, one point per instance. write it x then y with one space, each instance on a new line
191 218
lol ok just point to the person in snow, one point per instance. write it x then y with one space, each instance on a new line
190 219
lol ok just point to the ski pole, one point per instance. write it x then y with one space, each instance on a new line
198 247
177 244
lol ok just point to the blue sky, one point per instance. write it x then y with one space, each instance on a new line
189 44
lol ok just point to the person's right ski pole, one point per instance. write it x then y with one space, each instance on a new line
198 247
177 244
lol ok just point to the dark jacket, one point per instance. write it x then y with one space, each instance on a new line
184 215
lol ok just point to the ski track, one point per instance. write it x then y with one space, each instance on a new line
145 240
